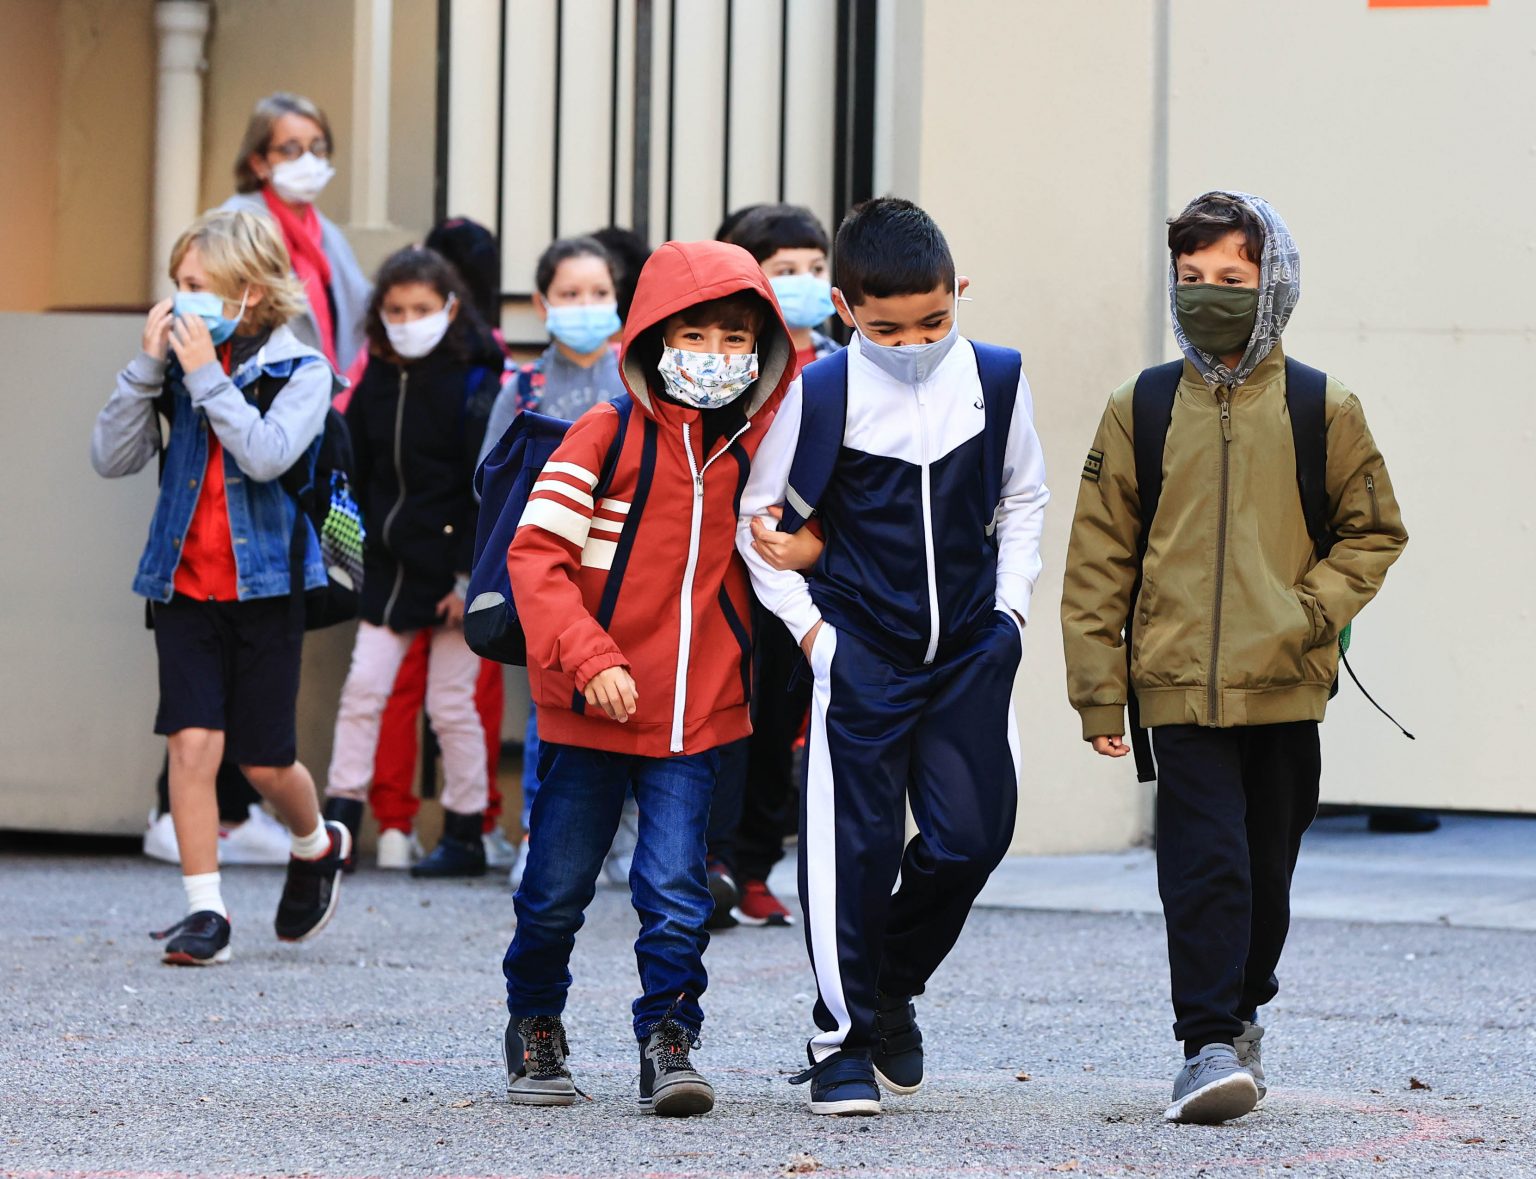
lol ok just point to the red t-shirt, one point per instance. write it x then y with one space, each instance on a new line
804 356
207 569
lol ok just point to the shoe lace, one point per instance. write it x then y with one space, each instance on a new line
545 1047
675 1040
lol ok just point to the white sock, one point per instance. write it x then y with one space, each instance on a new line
203 894
312 846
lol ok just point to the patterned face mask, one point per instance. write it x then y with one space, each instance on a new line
706 380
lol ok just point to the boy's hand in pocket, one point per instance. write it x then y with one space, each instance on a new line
613 690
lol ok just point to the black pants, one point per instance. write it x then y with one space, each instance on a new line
236 795
1232 805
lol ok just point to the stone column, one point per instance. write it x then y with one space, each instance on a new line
182 28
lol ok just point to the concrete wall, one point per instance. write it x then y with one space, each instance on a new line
1387 140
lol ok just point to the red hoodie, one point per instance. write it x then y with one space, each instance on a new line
656 554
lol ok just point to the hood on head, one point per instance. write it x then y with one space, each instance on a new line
1279 289
680 274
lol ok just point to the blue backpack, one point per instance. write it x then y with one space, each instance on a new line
503 482
824 419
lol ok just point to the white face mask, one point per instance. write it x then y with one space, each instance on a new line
706 380
911 364
414 338
300 181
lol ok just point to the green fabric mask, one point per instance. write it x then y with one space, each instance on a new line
1218 319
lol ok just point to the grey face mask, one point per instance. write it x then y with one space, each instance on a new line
912 364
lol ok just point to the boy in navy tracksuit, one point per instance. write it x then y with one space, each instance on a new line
919 456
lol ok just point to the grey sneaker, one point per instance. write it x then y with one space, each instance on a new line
1248 1055
1212 1087
669 1084
534 1052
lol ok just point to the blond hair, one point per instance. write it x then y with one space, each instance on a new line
239 250
258 133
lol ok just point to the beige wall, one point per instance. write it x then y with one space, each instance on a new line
29 91
1036 161
1390 142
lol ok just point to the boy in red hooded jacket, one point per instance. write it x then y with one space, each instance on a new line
636 611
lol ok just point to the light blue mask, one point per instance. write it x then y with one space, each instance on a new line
583 327
210 309
804 299
912 364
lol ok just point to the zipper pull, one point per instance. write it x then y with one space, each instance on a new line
1226 420
698 485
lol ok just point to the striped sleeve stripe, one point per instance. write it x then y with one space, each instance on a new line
566 523
606 527
571 469
555 487
617 506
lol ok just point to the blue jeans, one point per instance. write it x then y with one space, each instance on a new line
581 794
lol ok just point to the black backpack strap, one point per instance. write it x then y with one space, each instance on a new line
1151 411
823 420
999 370
1306 398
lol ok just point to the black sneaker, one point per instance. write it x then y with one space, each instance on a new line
312 888
200 939
534 1051
349 813
670 1087
842 1085
898 1054
722 887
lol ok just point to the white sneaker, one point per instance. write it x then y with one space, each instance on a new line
261 839
160 839
397 850
500 852
515 876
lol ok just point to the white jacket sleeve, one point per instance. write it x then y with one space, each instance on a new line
1021 510
264 445
782 591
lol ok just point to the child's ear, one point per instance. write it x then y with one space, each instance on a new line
540 305
840 305
254 296
453 309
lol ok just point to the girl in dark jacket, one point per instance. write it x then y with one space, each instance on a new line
417 420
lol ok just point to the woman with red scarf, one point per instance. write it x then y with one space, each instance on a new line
284 164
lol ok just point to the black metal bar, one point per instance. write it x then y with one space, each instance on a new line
501 135
671 106
725 142
640 196
554 212
854 159
783 94
613 123
440 148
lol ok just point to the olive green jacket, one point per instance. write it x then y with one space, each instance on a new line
1237 621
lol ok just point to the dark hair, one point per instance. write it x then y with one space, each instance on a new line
467 333
569 247
627 250
742 311
471 249
734 218
767 229
889 246
1212 217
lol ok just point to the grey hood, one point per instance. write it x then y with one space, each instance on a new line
1279 289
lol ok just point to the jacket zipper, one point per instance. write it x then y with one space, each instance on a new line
685 606
1370 487
394 593
933 580
1212 689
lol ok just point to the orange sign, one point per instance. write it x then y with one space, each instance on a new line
1429 3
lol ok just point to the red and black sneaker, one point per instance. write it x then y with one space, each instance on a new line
758 906
725 894
199 939
312 888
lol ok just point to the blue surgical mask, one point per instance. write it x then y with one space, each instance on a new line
210 309
804 299
583 327
911 364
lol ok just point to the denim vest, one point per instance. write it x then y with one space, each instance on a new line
260 514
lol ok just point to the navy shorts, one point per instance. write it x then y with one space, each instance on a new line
233 667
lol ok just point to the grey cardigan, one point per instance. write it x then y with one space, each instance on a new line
349 287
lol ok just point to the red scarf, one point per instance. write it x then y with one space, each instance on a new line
302 235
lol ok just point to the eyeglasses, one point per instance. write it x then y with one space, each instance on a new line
293 149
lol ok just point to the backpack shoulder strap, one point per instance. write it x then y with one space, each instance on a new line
1306 399
1000 370
1151 411
623 406
823 419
